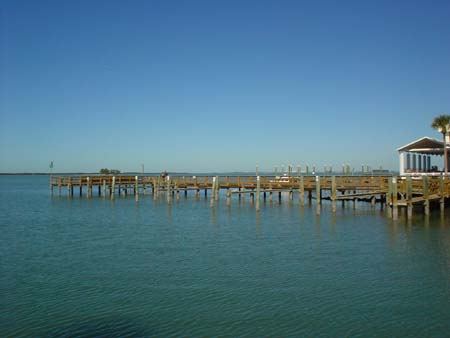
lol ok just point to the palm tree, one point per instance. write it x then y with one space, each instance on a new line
441 124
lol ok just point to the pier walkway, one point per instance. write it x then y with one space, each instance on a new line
393 191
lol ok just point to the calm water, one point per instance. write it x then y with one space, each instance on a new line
97 267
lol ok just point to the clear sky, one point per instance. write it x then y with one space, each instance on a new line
218 85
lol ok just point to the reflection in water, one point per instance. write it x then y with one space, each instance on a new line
168 212
213 215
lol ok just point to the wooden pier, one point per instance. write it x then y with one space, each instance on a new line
394 192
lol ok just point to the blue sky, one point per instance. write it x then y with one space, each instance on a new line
218 85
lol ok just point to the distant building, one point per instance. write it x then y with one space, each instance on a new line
415 157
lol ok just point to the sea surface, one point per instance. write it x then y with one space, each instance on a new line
73 267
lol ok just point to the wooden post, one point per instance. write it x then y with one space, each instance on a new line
409 205
355 201
426 193
136 187
88 194
394 199
270 194
168 190
228 197
113 187
104 188
156 188
279 196
318 190
258 192
333 193
318 201
373 201
217 190
213 186
301 191
389 198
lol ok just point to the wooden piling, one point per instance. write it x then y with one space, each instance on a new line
318 190
425 193
228 197
104 188
88 188
136 188
394 199
168 190
333 193
258 192
389 198
213 187
409 193
318 201
217 189
301 191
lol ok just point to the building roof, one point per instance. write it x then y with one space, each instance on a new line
424 145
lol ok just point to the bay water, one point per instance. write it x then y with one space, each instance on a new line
73 267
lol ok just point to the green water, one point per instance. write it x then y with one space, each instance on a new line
84 268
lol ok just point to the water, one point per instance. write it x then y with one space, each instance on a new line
79 268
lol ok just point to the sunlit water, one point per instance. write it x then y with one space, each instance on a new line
78 267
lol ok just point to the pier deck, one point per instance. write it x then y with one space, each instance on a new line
395 192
